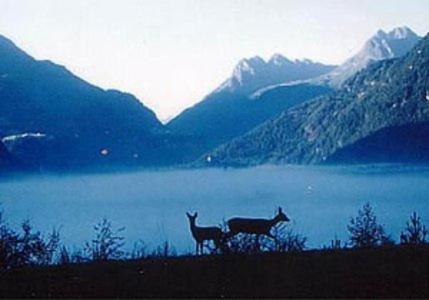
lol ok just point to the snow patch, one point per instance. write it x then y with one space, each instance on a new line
16 137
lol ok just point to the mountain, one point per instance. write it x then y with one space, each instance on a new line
7 162
379 47
53 119
254 73
259 90
228 111
382 112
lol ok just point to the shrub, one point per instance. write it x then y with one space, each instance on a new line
335 244
285 240
139 250
107 243
25 248
164 250
415 231
242 243
8 246
64 257
364 230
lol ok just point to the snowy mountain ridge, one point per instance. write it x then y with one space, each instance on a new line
253 73
382 45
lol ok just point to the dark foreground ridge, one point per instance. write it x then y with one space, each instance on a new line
399 271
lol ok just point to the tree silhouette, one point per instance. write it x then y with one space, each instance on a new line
364 230
25 247
415 231
107 243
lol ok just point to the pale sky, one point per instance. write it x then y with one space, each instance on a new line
171 53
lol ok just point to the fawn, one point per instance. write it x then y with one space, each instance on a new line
201 234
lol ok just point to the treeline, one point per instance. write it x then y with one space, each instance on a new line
29 247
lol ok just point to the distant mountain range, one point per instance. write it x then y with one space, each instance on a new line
254 73
258 91
52 120
228 111
7 162
379 47
380 114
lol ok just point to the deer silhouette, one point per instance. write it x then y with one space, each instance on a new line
255 226
201 234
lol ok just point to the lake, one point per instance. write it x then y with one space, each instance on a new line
151 205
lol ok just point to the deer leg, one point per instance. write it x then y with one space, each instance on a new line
257 247
217 244
220 247
230 234
196 249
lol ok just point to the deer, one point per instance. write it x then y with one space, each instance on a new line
255 226
201 234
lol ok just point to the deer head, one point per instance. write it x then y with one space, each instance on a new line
192 218
281 216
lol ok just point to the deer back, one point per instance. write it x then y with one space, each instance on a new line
207 233
247 225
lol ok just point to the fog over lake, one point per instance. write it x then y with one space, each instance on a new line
151 205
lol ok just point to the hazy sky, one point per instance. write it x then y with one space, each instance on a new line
171 53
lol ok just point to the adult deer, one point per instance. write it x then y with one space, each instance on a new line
255 226
201 234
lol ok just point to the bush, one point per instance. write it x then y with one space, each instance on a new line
139 250
364 230
164 250
285 240
64 257
415 231
335 244
107 243
25 248
242 243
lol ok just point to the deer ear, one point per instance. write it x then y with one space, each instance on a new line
280 210
195 215
188 215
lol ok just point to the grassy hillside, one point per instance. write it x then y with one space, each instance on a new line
381 272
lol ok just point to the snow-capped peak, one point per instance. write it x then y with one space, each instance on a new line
247 67
279 60
304 61
248 63
401 33
380 34
389 45
380 46
251 74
